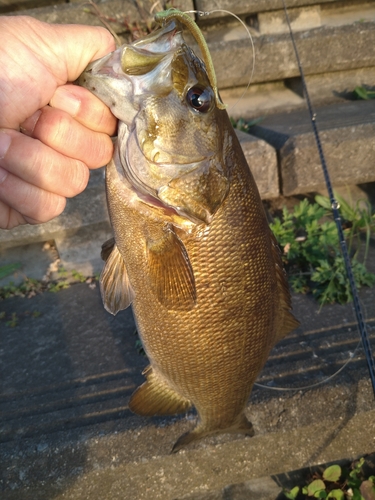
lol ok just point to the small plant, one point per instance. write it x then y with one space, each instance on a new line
31 287
244 125
311 251
13 322
338 483
9 269
361 92
77 276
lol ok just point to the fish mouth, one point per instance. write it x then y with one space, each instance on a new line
136 59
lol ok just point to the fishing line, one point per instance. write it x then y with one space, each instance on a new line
311 386
201 13
336 215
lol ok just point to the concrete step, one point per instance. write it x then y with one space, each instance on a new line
346 133
241 7
275 58
66 431
265 99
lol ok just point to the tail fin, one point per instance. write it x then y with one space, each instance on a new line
242 426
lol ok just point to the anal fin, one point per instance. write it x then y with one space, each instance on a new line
170 272
116 290
154 397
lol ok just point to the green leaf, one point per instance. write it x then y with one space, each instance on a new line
292 494
315 487
332 473
357 495
323 201
363 93
9 269
337 494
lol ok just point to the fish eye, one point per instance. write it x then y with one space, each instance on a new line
200 99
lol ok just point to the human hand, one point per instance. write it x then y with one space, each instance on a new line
51 132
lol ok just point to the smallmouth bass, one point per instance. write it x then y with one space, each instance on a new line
192 252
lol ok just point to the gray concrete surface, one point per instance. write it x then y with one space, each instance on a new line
66 374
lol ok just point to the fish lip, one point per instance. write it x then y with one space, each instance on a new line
154 41
162 41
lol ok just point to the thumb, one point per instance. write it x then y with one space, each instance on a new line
75 46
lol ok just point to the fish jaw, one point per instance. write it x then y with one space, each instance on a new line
113 78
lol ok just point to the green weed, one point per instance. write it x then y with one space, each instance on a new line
338 483
245 125
13 322
311 250
9 269
31 287
361 92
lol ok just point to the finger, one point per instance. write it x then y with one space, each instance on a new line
22 202
10 218
86 108
83 45
39 165
61 132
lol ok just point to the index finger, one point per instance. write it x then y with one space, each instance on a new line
86 108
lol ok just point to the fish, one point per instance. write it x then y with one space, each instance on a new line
192 251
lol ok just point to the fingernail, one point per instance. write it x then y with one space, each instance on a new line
3 175
5 141
28 126
65 100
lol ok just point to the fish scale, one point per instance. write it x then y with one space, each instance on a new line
192 252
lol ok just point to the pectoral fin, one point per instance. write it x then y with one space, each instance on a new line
154 397
170 272
117 293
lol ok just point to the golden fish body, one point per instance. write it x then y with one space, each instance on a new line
193 252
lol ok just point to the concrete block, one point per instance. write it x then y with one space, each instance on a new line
251 6
35 260
274 22
262 99
81 252
262 161
347 134
14 5
114 10
275 58
338 85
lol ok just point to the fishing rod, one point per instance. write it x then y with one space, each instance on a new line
335 206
